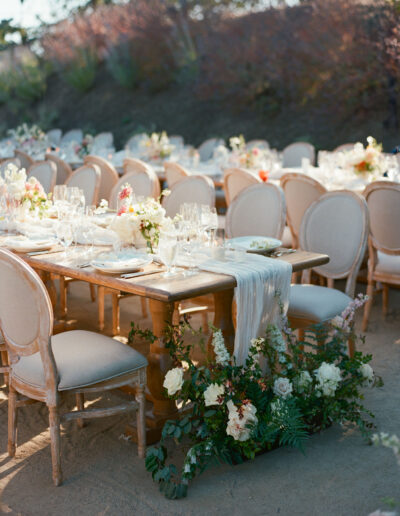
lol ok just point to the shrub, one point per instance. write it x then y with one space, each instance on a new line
122 65
80 73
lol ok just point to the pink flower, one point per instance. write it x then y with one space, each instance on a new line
122 210
125 192
255 151
28 187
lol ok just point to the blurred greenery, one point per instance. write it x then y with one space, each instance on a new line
80 72
122 66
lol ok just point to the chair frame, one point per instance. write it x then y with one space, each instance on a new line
60 164
170 167
296 176
373 247
304 144
244 174
97 182
105 168
50 393
24 157
140 167
53 168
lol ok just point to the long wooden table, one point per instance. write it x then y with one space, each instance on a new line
162 294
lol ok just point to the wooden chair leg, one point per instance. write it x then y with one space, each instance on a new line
368 306
115 313
100 306
12 421
385 299
92 292
143 302
63 296
54 420
5 362
80 405
141 421
204 316
176 316
352 347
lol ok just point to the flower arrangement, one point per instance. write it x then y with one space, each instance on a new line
255 158
282 394
83 149
26 135
366 160
139 222
157 146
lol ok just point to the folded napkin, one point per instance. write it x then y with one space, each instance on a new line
258 280
35 230
100 236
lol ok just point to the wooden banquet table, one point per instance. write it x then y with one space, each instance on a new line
163 293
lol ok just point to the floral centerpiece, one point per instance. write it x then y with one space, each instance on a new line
282 394
26 135
367 160
139 223
85 147
255 158
157 146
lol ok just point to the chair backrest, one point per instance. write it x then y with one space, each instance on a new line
300 192
236 180
258 210
383 200
207 148
260 144
74 135
63 169
337 225
194 189
46 173
87 178
4 164
109 176
177 141
344 147
26 315
137 166
174 172
103 140
24 158
295 152
143 185
54 137
133 143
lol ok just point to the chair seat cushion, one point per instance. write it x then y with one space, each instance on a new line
388 263
83 358
316 303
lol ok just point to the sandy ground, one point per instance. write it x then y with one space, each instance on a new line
338 475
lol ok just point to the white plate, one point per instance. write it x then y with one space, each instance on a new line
23 244
256 244
110 263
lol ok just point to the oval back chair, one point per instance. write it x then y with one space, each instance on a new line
72 136
109 176
174 172
206 149
293 154
54 137
46 173
63 169
87 178
24 158
11 161
236 180
194 189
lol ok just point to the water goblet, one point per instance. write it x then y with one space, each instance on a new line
167 248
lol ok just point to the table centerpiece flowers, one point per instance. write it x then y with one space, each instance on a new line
367 161
85 147
260 160
26 136
284 392
156 147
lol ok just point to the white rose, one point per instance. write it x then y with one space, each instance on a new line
367 372
173 380
283 387
328 377
303 380
212 393
237 422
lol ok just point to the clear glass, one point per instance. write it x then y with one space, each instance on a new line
167 248
65 234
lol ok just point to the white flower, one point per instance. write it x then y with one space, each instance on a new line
173 380
367 372
328 377
187 468
283 387
221 353
239 419
303 380
212 393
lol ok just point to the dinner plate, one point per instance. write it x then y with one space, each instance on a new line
23 244
256 244
111 263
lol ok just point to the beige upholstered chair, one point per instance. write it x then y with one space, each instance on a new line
174 172
198 189
109 176
207 148
24 158
337 225
72 136
383 199
132 165
133 144
143 185
260 144
4 164
45 367
63 169
46 173
258 210
344 147
295 152
236 180
300 192
54 137
103 140
177 141
87 178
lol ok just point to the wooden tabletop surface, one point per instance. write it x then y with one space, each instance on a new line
154 286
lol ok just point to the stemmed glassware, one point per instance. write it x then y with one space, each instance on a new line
65 235
167 248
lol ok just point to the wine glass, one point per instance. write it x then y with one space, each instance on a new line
167 247
65 234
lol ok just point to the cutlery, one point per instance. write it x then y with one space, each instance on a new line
83 265
141 273
280 253
34 253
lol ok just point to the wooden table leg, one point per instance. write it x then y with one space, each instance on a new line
223 318
159 363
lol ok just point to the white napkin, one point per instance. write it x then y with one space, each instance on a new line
99 235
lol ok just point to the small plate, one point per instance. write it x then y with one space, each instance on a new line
110 263
256 244
23 244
